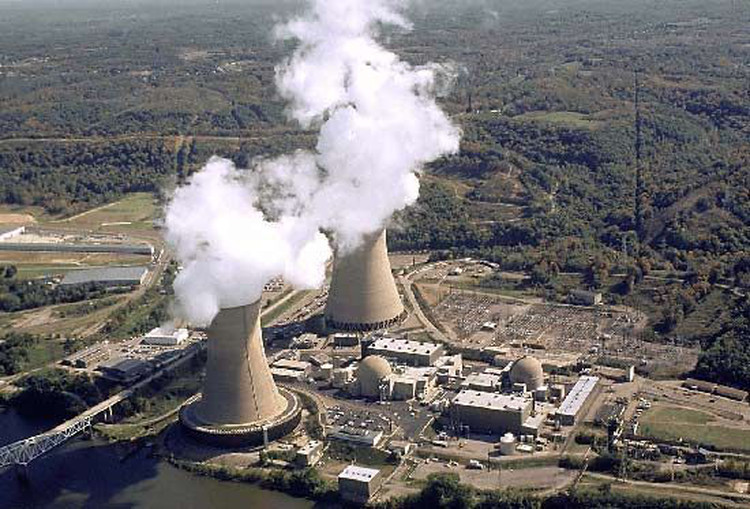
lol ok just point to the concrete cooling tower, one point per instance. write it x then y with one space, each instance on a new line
363 294
240 404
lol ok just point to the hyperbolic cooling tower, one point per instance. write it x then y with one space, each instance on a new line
240 404
363 294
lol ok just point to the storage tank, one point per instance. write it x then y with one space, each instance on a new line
508 444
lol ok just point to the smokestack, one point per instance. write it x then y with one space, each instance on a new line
240 402
363 294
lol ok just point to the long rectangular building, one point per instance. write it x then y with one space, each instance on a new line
576 399
414 353
491 412
108 276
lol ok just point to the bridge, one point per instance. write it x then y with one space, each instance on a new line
25 451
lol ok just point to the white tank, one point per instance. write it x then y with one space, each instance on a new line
507 444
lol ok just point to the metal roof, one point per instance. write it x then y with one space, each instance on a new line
104 274
7 228
491 400
578 395
356 473
404 346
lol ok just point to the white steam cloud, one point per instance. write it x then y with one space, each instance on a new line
234 230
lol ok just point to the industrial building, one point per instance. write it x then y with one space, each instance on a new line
585 298
377 379
62 247
88 357
574 403
413 353
358 484
240 403
486 382
363 294
489 412
163 336
310 454
8 232
107 276
408 382
286 370
358 436
125 371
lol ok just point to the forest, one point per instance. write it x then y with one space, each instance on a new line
608 139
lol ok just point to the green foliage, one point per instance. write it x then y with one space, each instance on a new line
19 295
56 394
726 358
14 352
66 177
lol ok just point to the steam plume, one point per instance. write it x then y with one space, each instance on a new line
379 124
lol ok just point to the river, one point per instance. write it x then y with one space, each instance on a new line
91 474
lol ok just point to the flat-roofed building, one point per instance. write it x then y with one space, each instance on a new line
302 366
107 276
125 371
287 375
358 436
358 484
164 336
344 339
310 454
585 298
485 382
490 412
414 353
576 400
7 232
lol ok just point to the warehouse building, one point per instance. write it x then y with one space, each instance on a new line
310 454
485 382
287 370
356 436
163 336
489 412
585 298
125 371
358 484
575 402
108 276
403 351
8 232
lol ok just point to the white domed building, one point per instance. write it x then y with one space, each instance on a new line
372 373
528 371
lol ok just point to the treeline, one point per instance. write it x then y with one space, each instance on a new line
56 394
14 352
19 295
726 354
66 177
444 491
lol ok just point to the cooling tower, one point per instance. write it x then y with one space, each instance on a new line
363 294
240 403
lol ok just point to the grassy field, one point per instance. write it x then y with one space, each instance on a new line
674 423
567 118
134 212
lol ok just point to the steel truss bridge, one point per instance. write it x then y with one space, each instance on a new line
25 451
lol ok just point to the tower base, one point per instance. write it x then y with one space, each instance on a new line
332 324
243 435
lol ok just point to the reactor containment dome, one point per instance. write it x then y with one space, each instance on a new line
527 370
370 374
